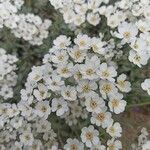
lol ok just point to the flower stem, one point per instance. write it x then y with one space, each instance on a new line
139 104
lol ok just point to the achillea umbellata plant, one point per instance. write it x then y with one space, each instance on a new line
73 71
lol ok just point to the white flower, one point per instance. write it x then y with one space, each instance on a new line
69 16
83 41
107 72
127 32
69 93
98 46
36 74
114 130
146 146
116 104
122 84
65 70
88 71
114 144
138 58
73 144
143 25
78 20
62 42
59 106
26 138
102 118
146 85
113 21
37 144
43 126
86 87
147 12
77 54
54 83
42 109
41 93
59 56
89 136
107 88
93 19
94 103
16 122
99 146
80 9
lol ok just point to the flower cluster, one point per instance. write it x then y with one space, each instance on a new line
132 21
78 11
74 83
143 141
30 27
146 86
128 20
8 77
21 129
8 13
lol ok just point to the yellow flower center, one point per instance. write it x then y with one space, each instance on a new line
86 88
107 88
115 103
93 104
100 116
89 72
89 135
126 34
64 70
73 147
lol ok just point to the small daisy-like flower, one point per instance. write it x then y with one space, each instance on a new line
106 72
114 144
41 92
89 136
69 93
42 109
62 42
93 19
146 86
102 118
138 58
73 144
65 70
86 87
59 57
77 54
83 41
59 106
122 84
54 83
114 130
127 32
94 103
99 146
107 88
26 138
116 104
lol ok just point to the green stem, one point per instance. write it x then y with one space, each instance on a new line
140 104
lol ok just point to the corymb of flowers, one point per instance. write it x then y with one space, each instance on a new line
8 77
128 20
74 83
71 101
30 27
